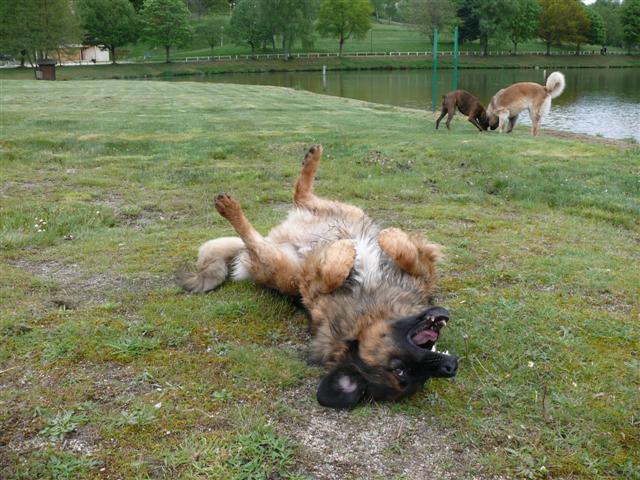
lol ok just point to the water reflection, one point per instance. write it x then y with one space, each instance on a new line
596 101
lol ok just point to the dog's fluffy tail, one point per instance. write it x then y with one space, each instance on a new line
555 84
213 259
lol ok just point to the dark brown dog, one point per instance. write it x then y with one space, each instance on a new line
468 105
367 290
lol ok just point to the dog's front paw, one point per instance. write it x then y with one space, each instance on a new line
227 206
336 264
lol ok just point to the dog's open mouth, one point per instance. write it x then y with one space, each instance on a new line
425 338
427 333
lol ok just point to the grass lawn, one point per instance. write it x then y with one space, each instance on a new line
385 38
107 370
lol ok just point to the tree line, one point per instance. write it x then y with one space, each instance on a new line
605 23
35 29
257 23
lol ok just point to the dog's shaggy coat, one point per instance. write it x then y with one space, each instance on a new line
507 104
367 290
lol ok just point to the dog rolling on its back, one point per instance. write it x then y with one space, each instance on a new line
507 104
367 290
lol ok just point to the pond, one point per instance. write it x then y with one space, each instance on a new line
596 101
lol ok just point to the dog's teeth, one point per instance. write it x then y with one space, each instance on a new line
433 349
446 352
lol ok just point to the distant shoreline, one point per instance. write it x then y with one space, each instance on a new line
159 70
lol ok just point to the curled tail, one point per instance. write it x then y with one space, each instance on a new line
555 84
213 259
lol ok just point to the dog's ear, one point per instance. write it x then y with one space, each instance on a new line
343 387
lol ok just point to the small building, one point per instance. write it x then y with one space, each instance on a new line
94 53
46 69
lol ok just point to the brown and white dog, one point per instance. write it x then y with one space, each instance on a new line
507 104
468 105
367 290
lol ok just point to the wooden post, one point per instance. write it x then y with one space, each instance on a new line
435 69
455 59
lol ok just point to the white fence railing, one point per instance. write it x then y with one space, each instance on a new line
283 56
275 56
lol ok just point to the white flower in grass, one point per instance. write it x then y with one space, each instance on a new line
530 364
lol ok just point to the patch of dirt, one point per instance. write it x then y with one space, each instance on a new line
376 157
85 440
111 383
147 216
590 139
10 188
29 445
380 443
76 287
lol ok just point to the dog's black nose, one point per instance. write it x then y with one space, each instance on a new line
448 366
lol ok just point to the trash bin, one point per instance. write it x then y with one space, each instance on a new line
47 68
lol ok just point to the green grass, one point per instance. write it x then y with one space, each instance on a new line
541 277
61 424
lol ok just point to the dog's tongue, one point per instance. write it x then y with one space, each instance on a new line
425 336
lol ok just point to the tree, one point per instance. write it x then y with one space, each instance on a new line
203 7
378 7
484 19
578 24
630 15
430 15
344 19
246 26
493 19
609 10
36 28
111 23
290 19
469 28
211 30
562 20
166 23
598 32
523 24
390 9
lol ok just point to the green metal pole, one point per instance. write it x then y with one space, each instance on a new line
455 59
435 69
